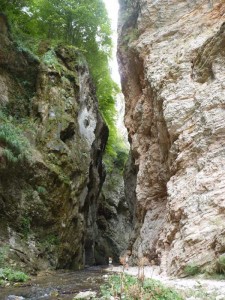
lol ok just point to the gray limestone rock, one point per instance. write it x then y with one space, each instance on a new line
171 56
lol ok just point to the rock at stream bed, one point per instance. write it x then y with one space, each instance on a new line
12 297
85 295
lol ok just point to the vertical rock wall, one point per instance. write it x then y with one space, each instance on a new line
172 62
52 138
113 219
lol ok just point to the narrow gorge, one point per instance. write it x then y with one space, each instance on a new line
67 198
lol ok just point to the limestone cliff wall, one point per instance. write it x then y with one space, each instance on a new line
52 139
172 63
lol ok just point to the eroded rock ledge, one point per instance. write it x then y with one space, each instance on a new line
172 63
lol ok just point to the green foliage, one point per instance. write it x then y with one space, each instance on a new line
41 190
116 154
64 178
106 94
160 292
50 59
191 270
131 288
16 148
16 107
220 265
3 254
50 240
7 274
83 24
25 226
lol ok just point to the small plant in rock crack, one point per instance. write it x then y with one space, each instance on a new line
192 270
25 226
220 264
41 190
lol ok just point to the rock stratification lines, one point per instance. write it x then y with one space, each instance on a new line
172 62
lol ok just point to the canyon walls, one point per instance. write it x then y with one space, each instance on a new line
52 139
172 62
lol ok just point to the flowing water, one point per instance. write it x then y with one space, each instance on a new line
56 285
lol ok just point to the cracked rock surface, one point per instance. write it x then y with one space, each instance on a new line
172 62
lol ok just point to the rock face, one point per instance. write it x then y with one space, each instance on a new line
113 225
114 219
172 63
52 139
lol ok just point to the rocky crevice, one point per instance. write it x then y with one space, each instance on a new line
114 219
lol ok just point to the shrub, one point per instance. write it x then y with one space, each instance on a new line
50 240
41 190
116 155
159 291
192 270
220 264
25 226
16 148
50 59
131 288
3 254
8 274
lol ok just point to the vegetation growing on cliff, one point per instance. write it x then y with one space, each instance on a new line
16 147
8 274
39 25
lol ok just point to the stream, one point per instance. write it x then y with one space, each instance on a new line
58 285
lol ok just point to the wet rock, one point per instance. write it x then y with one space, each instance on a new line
12 297
85 295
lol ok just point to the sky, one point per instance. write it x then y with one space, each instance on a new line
112 7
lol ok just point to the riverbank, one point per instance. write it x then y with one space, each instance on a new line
191 288
61 284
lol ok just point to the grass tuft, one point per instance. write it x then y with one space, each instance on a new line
220 265
192 270
16 147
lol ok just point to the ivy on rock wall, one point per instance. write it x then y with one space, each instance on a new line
39 25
